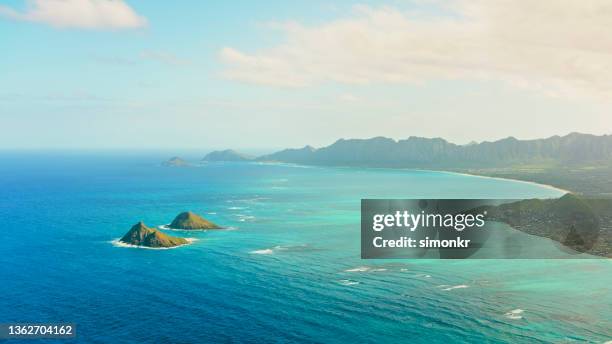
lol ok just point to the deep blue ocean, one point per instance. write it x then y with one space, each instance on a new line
289 271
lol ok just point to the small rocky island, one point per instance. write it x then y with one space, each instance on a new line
141 235
176 162
190 221
226 155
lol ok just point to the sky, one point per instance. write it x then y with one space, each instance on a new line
138 74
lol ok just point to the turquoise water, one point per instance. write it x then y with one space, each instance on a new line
289 271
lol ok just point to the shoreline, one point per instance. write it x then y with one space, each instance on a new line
545 186
118 243
168 228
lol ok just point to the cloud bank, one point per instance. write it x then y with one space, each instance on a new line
84 14
558 47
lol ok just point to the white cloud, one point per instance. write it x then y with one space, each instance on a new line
559 47
86 14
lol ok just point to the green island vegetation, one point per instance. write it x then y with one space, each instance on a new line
141 235
191 221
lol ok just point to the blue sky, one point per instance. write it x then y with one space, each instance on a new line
205 75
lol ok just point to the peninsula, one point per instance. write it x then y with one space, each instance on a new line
582 224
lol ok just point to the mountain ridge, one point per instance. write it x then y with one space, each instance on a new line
226 155
420 152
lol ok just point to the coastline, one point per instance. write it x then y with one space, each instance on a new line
545 186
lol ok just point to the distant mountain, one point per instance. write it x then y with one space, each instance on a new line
175 162
418 152
141 235
188 220
291 155
226 155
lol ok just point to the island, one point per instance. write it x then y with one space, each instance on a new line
226 155
191 221
175 162
141 235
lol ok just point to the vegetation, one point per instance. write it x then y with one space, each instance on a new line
582 224
416 152
141 235
577 162
589 180
189 221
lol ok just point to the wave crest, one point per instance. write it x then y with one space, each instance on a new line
365 269
280 248
515 314
347 282
118 243
449 288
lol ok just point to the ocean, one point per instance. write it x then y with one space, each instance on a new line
288 270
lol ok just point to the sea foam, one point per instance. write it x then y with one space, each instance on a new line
348 282
359 269
460 286
118 243
167 228
514 314
365 269
244 218
277 248
264 251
